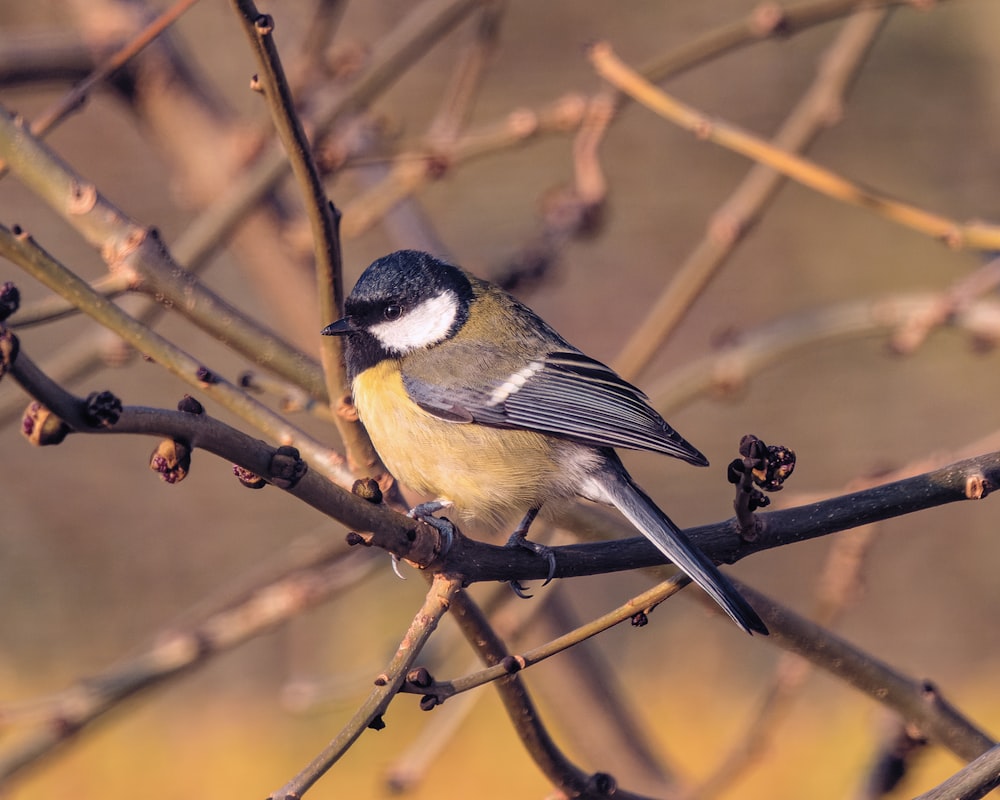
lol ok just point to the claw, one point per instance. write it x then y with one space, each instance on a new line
395 567
517 540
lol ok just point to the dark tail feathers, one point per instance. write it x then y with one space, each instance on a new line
656 526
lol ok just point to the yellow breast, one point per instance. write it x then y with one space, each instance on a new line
491 474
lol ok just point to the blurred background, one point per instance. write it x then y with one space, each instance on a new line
98 557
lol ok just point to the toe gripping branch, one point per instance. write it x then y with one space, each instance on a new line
423 545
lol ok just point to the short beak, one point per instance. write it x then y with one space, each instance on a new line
339 328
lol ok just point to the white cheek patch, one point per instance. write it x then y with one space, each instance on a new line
515 382
422 326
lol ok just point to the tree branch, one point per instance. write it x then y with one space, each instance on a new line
971 235
977 779
439 599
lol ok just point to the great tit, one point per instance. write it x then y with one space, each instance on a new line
469 396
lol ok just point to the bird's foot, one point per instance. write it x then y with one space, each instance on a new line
424 512
519 539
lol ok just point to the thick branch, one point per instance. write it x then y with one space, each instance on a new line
969 479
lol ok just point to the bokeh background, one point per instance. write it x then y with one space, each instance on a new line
97 556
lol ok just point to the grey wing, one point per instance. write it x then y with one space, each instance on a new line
564 394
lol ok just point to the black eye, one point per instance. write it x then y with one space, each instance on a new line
392 312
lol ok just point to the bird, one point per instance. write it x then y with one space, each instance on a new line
470 397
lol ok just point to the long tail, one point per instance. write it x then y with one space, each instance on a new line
618 489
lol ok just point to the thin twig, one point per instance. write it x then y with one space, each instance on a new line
639 605
750 353
953 301
971 235
140 258
393 55
734 218
568 112
439 599
326 18
323 220
21 249
520 708
55 307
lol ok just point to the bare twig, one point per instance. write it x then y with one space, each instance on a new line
973 781
748 353
134 253
523 714
29 255
439 599
963 293
734 218
324 222
56 307
64 716
971 235
635 608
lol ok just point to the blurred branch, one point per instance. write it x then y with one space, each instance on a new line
817 109
56 55
418 164
467 76
56 307
63 716
394 53
952 303
131 251
413 169
919 702
748 353
765 21
972 235
439 599
326 18
75 98
837 587
899 744
588 682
